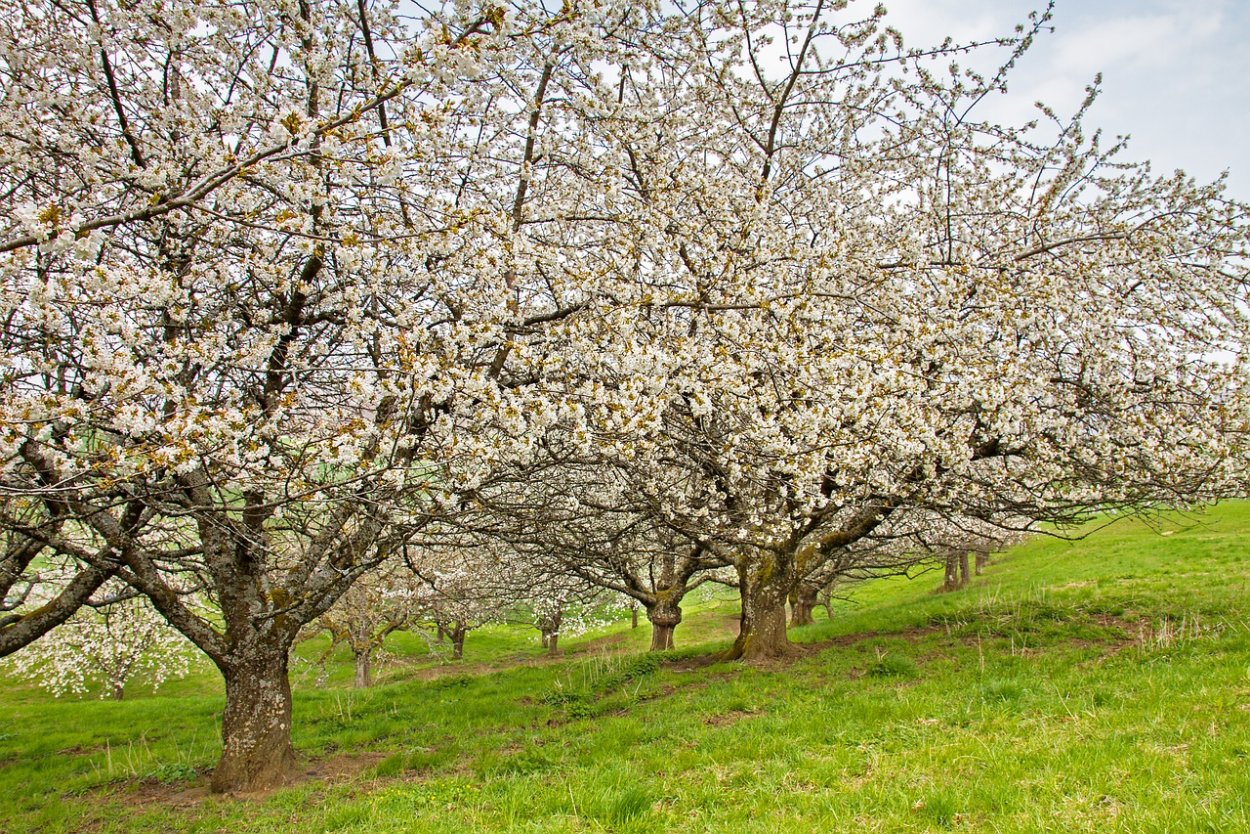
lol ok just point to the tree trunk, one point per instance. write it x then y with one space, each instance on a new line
963 569
256 726
633 615
442 634
665 616
826 602
364 668
550 626
457 642
951 581
802 601
119 690
765 584
983 559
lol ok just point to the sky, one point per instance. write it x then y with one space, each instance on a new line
1176 73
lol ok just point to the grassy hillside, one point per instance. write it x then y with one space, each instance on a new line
1101 685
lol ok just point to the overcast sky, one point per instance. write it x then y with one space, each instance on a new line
1176 73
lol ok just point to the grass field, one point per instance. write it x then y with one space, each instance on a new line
1099 685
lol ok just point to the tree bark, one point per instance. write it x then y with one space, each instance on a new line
457 642
803 601
983 559
364 668
665 616
964 576
549 625
951 580
633 615
119 690
765 584
256 726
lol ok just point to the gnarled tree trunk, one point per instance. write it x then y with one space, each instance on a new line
256 725
458 633
664 616
364 668
765 583
803 599
549 625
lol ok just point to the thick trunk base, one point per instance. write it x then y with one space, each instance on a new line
664 617
256 728
765 587
764 638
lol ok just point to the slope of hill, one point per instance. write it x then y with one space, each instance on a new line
1097 685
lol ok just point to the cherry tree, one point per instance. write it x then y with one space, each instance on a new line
461 588
277 280
284 284
375 606
574 518
880 303
104 646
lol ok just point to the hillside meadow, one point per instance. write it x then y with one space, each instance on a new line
1100 684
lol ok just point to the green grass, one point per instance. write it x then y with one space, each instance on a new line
1101 685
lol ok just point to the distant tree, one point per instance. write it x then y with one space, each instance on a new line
104 646
376 606
575 522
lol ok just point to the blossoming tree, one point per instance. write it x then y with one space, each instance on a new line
284 283
276 280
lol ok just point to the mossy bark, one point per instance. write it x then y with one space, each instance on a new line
950 579
256 725
765 583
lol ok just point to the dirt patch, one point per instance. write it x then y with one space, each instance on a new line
146 792
911 635
151 792
342 767
799 651
724 719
